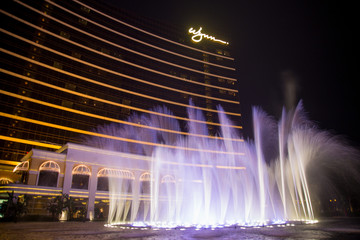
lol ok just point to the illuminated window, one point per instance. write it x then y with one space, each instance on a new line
4 181
65 34
183 95
70 86
145 183
126 177
76 55
193 78
183 76
103 183
23 166
48 174
82 21
81 170
116 173
80 178
145 177
67 104
103 179
167 186
22 169
168 179
126 110
232 93
50 166
85 9
230 82
58 65
106 51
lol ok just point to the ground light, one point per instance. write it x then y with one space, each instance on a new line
197 227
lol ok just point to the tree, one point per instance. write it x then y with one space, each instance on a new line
59 204
15 207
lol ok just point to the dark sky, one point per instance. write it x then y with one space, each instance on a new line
309 42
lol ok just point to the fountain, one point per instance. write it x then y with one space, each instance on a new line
198 180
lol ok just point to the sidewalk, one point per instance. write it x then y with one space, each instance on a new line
347 228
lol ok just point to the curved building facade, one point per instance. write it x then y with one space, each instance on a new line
70 66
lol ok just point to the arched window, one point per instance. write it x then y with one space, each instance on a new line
168 179
80 177
146 176
103 180
4 181
22 169
23 166
106 173
145 183
167 187
48 174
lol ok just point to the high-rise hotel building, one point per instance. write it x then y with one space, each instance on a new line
69 66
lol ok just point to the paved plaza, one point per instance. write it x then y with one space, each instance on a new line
326 229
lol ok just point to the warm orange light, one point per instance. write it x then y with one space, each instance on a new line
136 40
30 192
81 192
106 85
108 42
151 34
5 180
111 137
11 139
31 188
14 163
231 167
81 170
112 119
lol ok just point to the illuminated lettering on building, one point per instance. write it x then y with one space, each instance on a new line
198 36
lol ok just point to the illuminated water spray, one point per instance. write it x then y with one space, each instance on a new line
207 181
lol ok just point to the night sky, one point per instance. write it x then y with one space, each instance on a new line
308 43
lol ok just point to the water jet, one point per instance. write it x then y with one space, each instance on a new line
223 181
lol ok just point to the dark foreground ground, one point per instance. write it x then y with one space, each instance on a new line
334 228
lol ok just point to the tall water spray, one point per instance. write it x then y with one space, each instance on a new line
198 179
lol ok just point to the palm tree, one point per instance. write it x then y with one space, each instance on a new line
58 204
15 207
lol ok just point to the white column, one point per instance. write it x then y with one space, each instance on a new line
68 177
92 192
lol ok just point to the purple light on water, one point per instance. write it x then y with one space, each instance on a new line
203 188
